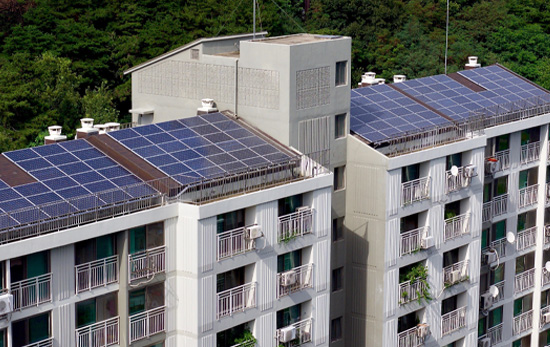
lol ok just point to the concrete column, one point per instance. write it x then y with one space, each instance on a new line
122 250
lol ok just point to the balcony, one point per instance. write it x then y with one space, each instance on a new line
523 322
544 311
411 241
295 280
146 324
295 224
526 238
547 235
545 277
525 280
100 334
457 226
237 299
453 321
528 196
456 183
302 333
455 273
233 242
44 343
96 273
250 343
530 152
494 334
415 190
32 291
410 338
147 263
500 296
494 208
547 193
411 290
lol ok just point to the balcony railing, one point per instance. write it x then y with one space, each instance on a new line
523 322
544 311
545 277
44 343
146 324
96 273
499 246
530 152
528 196
236 299
455 183
410 338
525 280
547 193
292 281
295 224
526 238
411 291
249 343
453 321
494 334
32 291
494 208
546 235
233 242
500 296
503 158
100 334
146 263
455 273
415 190
411 240
457 226
303 333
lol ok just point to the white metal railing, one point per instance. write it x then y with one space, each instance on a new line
415 190
410 338
303 333
487 212
455 183
523 322
500 296
525 280
503 158
457 226
298 278
32 291
453 321
544 311
295 224
528 196
526 238
97 273
547 191
500 247
455 273
495 334
146 263
410 241
545 277
233 242
494 208
44 343
237 299
547 235
100 334
530 152
249 343
148 323
411 291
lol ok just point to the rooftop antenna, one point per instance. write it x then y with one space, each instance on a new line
254 21
446 36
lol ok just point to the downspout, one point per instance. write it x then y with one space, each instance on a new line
236 87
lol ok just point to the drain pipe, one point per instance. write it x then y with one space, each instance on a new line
236 87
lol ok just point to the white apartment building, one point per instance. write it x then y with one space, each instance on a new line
199 232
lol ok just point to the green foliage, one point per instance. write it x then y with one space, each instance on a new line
247 337
417 273
98 104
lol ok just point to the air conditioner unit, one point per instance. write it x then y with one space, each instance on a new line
546 318
486 342
454 276
288 278
287 334
6 303
487 301
253 232
491 256
470 171
303 209
493 166
427 242
422 330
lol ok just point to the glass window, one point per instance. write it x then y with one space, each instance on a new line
448 305
481 326
336 329
523 178
409 173
138 240
230 220
497 275
136 301
502 143
454 160
341 73
340 125
289 204
485 238
495 317
337 281
499 230
85 313
230 279
31 330
337 229
339 178
289 316
501 186
29 266
2 338
289 261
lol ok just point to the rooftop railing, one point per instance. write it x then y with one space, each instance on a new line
32 291
411 241
457 226
96 273
528 196
148 323
101 334
294 280
523 322
525 280
453 321
415 190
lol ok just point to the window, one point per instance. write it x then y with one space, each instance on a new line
409 173
289 204
337 282
195 54
337 229
339 178
336 329
289 261
146 299
146 237
341 73
448 305
230 220
96 309
230 336
30 266
3 338
94 249
31 330
289 316
454 160
340 125
230 279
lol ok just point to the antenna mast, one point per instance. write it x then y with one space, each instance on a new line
446 37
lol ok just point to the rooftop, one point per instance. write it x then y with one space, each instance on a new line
297 39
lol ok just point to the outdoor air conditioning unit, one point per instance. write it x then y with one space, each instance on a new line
6 303
427 242
491 256
493 166
486 342
487 301
253 232
454 276
470 171
546 318
288 278
287 334
302 209
422 330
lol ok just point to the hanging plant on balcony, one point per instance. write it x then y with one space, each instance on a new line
247 339
419 273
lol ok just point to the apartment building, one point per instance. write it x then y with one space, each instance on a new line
195 232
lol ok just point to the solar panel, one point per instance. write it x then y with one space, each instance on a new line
49 150
149 151
87 177
100 163
22 154
75 145
147 129
99 186
115 171
173 146
44 198
15 204
8 194
60 183
90 153
73 192
74 168
63 158
32 189
34 164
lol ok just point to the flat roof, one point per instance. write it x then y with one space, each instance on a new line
298 39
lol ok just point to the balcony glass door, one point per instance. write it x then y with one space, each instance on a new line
289 316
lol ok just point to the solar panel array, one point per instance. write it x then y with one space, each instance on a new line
379 113
69 170
199 147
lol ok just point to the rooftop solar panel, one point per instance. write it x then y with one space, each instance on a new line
22 154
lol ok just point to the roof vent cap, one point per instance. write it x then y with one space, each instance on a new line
472 63
87 123
112 126
208 106
55 135
100 127
55 130
399 78
369 79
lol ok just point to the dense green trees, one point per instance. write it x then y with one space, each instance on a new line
61 60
